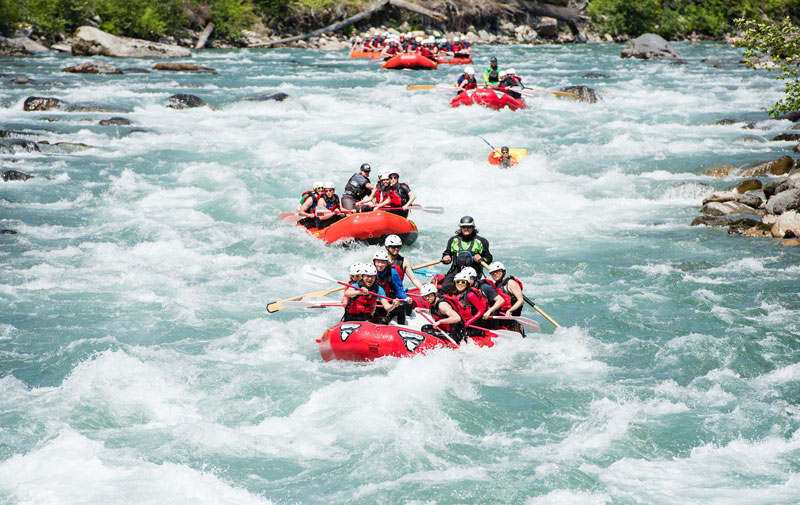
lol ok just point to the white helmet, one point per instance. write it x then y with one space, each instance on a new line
329 185
469 71
462 276
511 71
381 254
427 289
369 269
503 73
318 184
392 240
494 267
383 174
355 269
470 272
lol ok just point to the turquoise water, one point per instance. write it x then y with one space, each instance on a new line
138 365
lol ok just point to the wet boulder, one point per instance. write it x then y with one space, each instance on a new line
135 70
711 221
720 170
184 101
177 66
787 225
21 80
93 67
586 93
720 196
784 201
4 231
20 46
651 47
740 226
115 121
90 41
748 185
35 103
12 146
775 186
596 75
778 167
15 175
727 121
751 199
787 136
791 116
278 97
726 209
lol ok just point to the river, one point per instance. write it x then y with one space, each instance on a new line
138 364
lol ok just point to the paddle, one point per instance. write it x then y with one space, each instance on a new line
276 306
448 337
529 302
523 321
559 93
415 87
302 304
487 143
499 333
433 209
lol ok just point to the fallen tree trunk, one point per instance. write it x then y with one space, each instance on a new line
354 19
573 18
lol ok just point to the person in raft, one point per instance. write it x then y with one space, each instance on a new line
464 249
489 296
468 303
506 82
393 243
510 289
362 302
357 188
467 81
308 202
505 158
491 75
355 275
328 209
394 195
445 317
390 281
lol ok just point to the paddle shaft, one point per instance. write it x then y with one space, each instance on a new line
529 302
448 337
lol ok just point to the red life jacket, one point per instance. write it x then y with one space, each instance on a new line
470 304
438 316
502 289
363 304
398 265
386 282
309 194
391 195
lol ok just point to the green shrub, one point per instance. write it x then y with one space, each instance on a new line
231 17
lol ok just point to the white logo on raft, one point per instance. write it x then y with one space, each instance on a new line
411 340
346 329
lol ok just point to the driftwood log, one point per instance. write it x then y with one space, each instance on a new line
573 17
354 19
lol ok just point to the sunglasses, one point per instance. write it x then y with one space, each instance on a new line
461 282
393 247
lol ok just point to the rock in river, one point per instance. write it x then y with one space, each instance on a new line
177 66
90 41
651 47
93 67
42 103
15 175
184 101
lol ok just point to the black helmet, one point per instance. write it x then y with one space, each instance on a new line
504 149
365 167
493 60
467 221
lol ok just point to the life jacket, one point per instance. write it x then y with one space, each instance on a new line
391 195
471 82
438 316
308 194
463 251
331 203
468 303
494 74
397 264
357 186
362 304
424 51
502 289
402 191
384 280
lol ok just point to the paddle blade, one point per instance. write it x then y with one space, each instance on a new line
525 322
314 295
506 333
414 87
303 304
317 274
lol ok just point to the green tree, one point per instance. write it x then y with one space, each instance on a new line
780 42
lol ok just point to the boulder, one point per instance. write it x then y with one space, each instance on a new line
787 225
791 116
4 231
278 97
525 34
177 66
90 41
547 27
784 201
20 46
782 242
586 93
778 167
750 199
795 127
184 101
135 70
726 209
596 75
787 136
15 175
728 121
758 230
796 148
751 139
720 196
651 47
18 145
775 186
62 48
115 121
711 221
748 185
42 103
93 67
740 225
720 170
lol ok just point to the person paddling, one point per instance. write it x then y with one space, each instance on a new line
505 158
308 202
392 285
510 289
465 248
488 293
506 82
491 75
466 81
357 188
444 314
328 209
393 243
362 302
468 303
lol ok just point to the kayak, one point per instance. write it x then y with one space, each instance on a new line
365 54
488 98
516 154
410 60
365 341
370 227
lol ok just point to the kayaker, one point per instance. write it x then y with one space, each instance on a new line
444 314
399 194
308 202
468 302
467 81
393 243
464 249
489 295
390 281
491 75
328 208
362 302
505 158
357 188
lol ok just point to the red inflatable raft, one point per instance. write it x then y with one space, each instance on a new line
488 98
365 54
370 227
461 60
364 341
410 60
